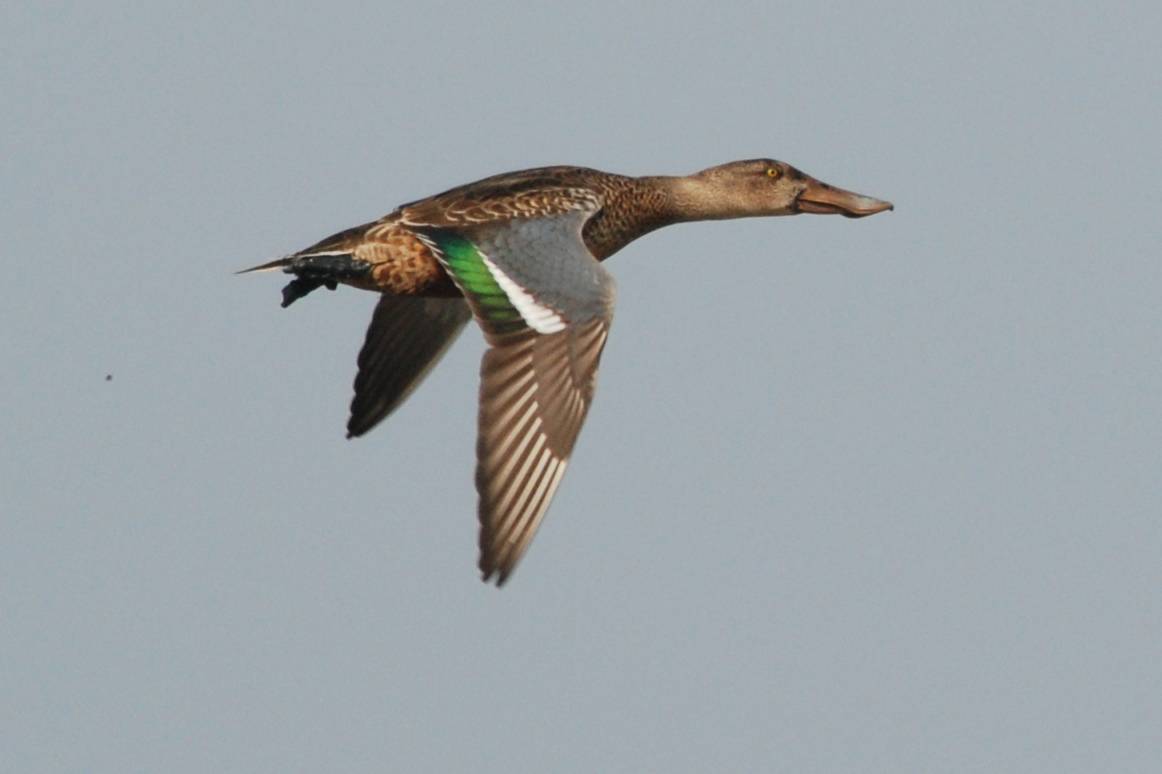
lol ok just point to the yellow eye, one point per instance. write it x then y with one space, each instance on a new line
772 173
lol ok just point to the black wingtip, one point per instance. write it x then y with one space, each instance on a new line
357 429
491 573
494 578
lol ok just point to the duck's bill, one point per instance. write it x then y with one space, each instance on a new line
823 199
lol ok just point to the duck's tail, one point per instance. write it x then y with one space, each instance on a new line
278 263
314 270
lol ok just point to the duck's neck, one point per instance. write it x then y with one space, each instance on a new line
634 206
694 198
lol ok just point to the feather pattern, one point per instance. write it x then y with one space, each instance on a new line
545 305
406 337
535 390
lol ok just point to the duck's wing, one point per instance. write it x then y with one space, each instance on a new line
545 305
406 337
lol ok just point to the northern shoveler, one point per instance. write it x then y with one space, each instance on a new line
521 252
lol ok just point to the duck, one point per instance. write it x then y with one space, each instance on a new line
521 253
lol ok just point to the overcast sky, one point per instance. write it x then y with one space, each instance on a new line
879 495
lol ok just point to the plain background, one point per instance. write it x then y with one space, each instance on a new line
875 496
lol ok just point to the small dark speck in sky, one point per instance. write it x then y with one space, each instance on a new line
108 377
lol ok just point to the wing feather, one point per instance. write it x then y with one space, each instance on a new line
535 392
406 337
545 305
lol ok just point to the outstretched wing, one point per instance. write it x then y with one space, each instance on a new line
545 305
535 390
406 337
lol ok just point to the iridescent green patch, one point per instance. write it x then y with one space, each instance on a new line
466 265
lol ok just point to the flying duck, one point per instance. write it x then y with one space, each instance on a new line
521 253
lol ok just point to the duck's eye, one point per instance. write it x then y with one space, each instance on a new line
772 173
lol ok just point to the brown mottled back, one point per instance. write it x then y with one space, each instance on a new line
628 207
401 263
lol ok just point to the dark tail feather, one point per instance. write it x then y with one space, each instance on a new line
314 271
278 263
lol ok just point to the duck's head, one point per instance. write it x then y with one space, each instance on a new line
763 187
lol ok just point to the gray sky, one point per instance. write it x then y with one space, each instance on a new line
875 496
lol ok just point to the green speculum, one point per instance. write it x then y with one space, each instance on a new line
466 264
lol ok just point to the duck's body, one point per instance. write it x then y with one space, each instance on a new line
389 256
523 249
